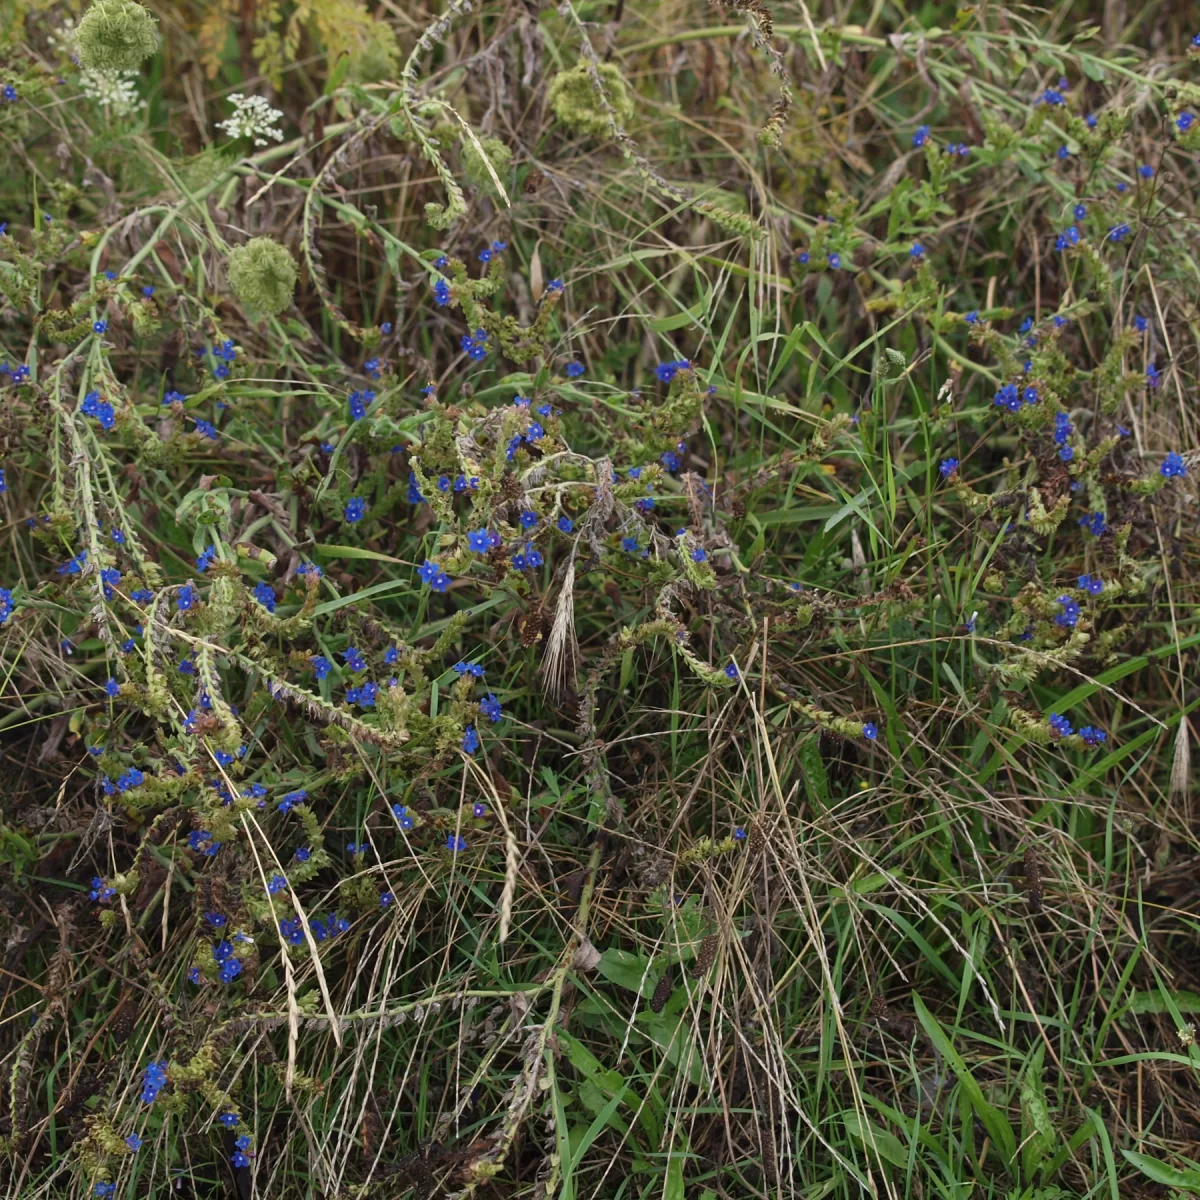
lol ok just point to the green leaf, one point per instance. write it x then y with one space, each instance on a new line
627 970
885 1146
673 1189
1156 1001
1037 1130
993 1120
815 778
1160 1172
331 551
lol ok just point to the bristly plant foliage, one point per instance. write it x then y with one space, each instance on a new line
598 602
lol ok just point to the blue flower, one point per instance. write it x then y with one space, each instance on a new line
466 668
834 259
1090 583
1153 375
303 854
321 665
731 671
479 541
1080 211
1118 233
1069 617
470 741
292 931
354 659
870 731
665 371
206 429
277 883
133 1142
972 318
699 555
441 292
1146 171
1092 736
485 255
1173 466
1091 120
1094 523
391 656
230 970
803 258
490 707
455 843
1184 121
154 1080
1059 726
630 545
1063 152
356 509
264 593
113 688
9 93
104 1189
427 571
289 801
1141 324
921 136
229 1119
916 250
566 525
574 369
100 326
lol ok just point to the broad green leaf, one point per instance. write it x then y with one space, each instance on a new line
877 1140
1187 1179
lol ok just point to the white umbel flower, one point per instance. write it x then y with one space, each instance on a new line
252 118
115 91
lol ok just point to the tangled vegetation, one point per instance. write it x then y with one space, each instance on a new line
598 601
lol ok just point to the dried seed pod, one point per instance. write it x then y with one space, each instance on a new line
662 992
755 841
1033 880
124 1018
706 957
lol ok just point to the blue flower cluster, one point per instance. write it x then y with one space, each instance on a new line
93 406
1062 431
225 354
359 403
154 1079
